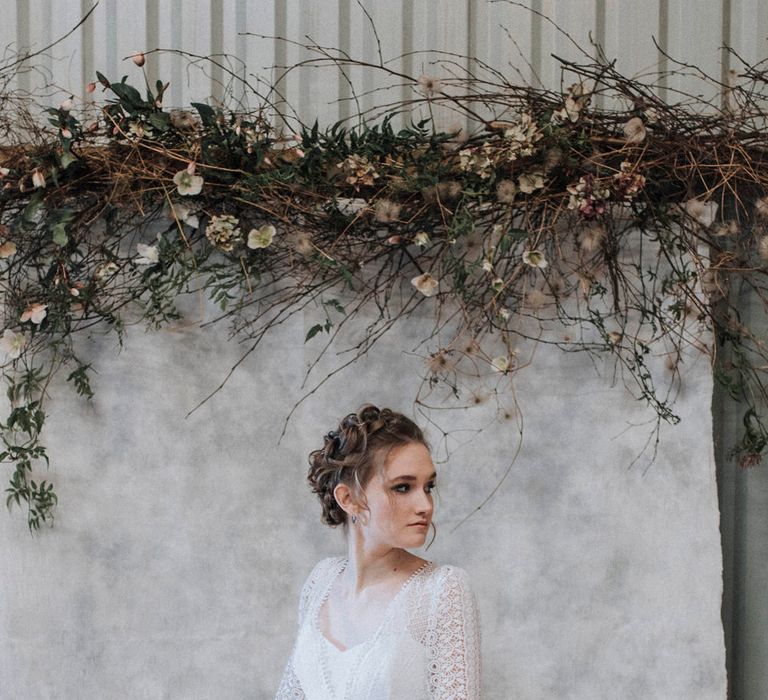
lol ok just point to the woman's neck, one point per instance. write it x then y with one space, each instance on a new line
367 566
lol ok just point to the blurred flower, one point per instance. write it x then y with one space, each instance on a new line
358 170
12 343
38 179
627 183
634 130
703 212
222 231
442 191
67 105
35 312
182 119
500 364
592 237
428 85
477 160
421 239
183 213
303 243
497 284
350 206
148 254
426 284
261 237
506 191
7 249
504 314
4 172
529 182
387 212
90 87
187 183
535 258
105 270
487 265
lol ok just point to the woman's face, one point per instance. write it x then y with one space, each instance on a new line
400 499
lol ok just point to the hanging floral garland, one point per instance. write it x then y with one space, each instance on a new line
629 225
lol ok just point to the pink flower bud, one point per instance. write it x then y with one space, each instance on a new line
90 87
139 59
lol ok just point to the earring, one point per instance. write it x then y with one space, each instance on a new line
354 519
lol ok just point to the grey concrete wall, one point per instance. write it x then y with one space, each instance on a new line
180 545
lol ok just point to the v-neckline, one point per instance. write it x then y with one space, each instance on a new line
387 612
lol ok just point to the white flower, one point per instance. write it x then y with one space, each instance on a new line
487 265
7 249
261 237
12 343
506 191
634 130
426 284
387 212
105 270
35 312
183 213
148 254
187 183
350 206
428 85
535 258
4 172
504 313
38 179
703 212
500 364
421 239
529 182
67 105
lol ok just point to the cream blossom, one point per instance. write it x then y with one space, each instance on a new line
181 212
38 179
187 183
487 265
261 237
529 182
535 258
634 130
497 284
703 212
12 343
428 85
148 254
426 284
501 364
350 206
35 312
4 172
7 249
506 191
67 105
108 268
387 212
421 239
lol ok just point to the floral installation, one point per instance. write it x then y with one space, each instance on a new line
531 215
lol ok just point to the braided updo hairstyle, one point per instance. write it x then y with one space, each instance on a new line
354 452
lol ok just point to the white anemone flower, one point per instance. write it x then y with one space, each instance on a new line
261 237
12 343
529 182
187 183
535 258
183 213
426 284
421 239
35 312
148 254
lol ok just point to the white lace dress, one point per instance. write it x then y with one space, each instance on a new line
426 648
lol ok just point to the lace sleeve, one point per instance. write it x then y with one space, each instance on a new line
453 640
290 687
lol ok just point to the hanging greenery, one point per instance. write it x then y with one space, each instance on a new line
626 225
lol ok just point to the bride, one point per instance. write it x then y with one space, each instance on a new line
381 623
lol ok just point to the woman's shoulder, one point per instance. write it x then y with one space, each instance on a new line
324 568
448 578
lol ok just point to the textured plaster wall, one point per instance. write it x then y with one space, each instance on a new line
180 544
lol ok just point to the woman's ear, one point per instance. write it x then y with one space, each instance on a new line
343 495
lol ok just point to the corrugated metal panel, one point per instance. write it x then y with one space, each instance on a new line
515 38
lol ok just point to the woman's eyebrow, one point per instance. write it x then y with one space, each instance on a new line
410 477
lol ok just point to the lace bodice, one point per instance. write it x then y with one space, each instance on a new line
426 648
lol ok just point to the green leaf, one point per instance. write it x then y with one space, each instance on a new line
313 331
207 114
130 97
160 121
66 159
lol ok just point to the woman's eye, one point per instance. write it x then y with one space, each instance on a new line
401 488
430 487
